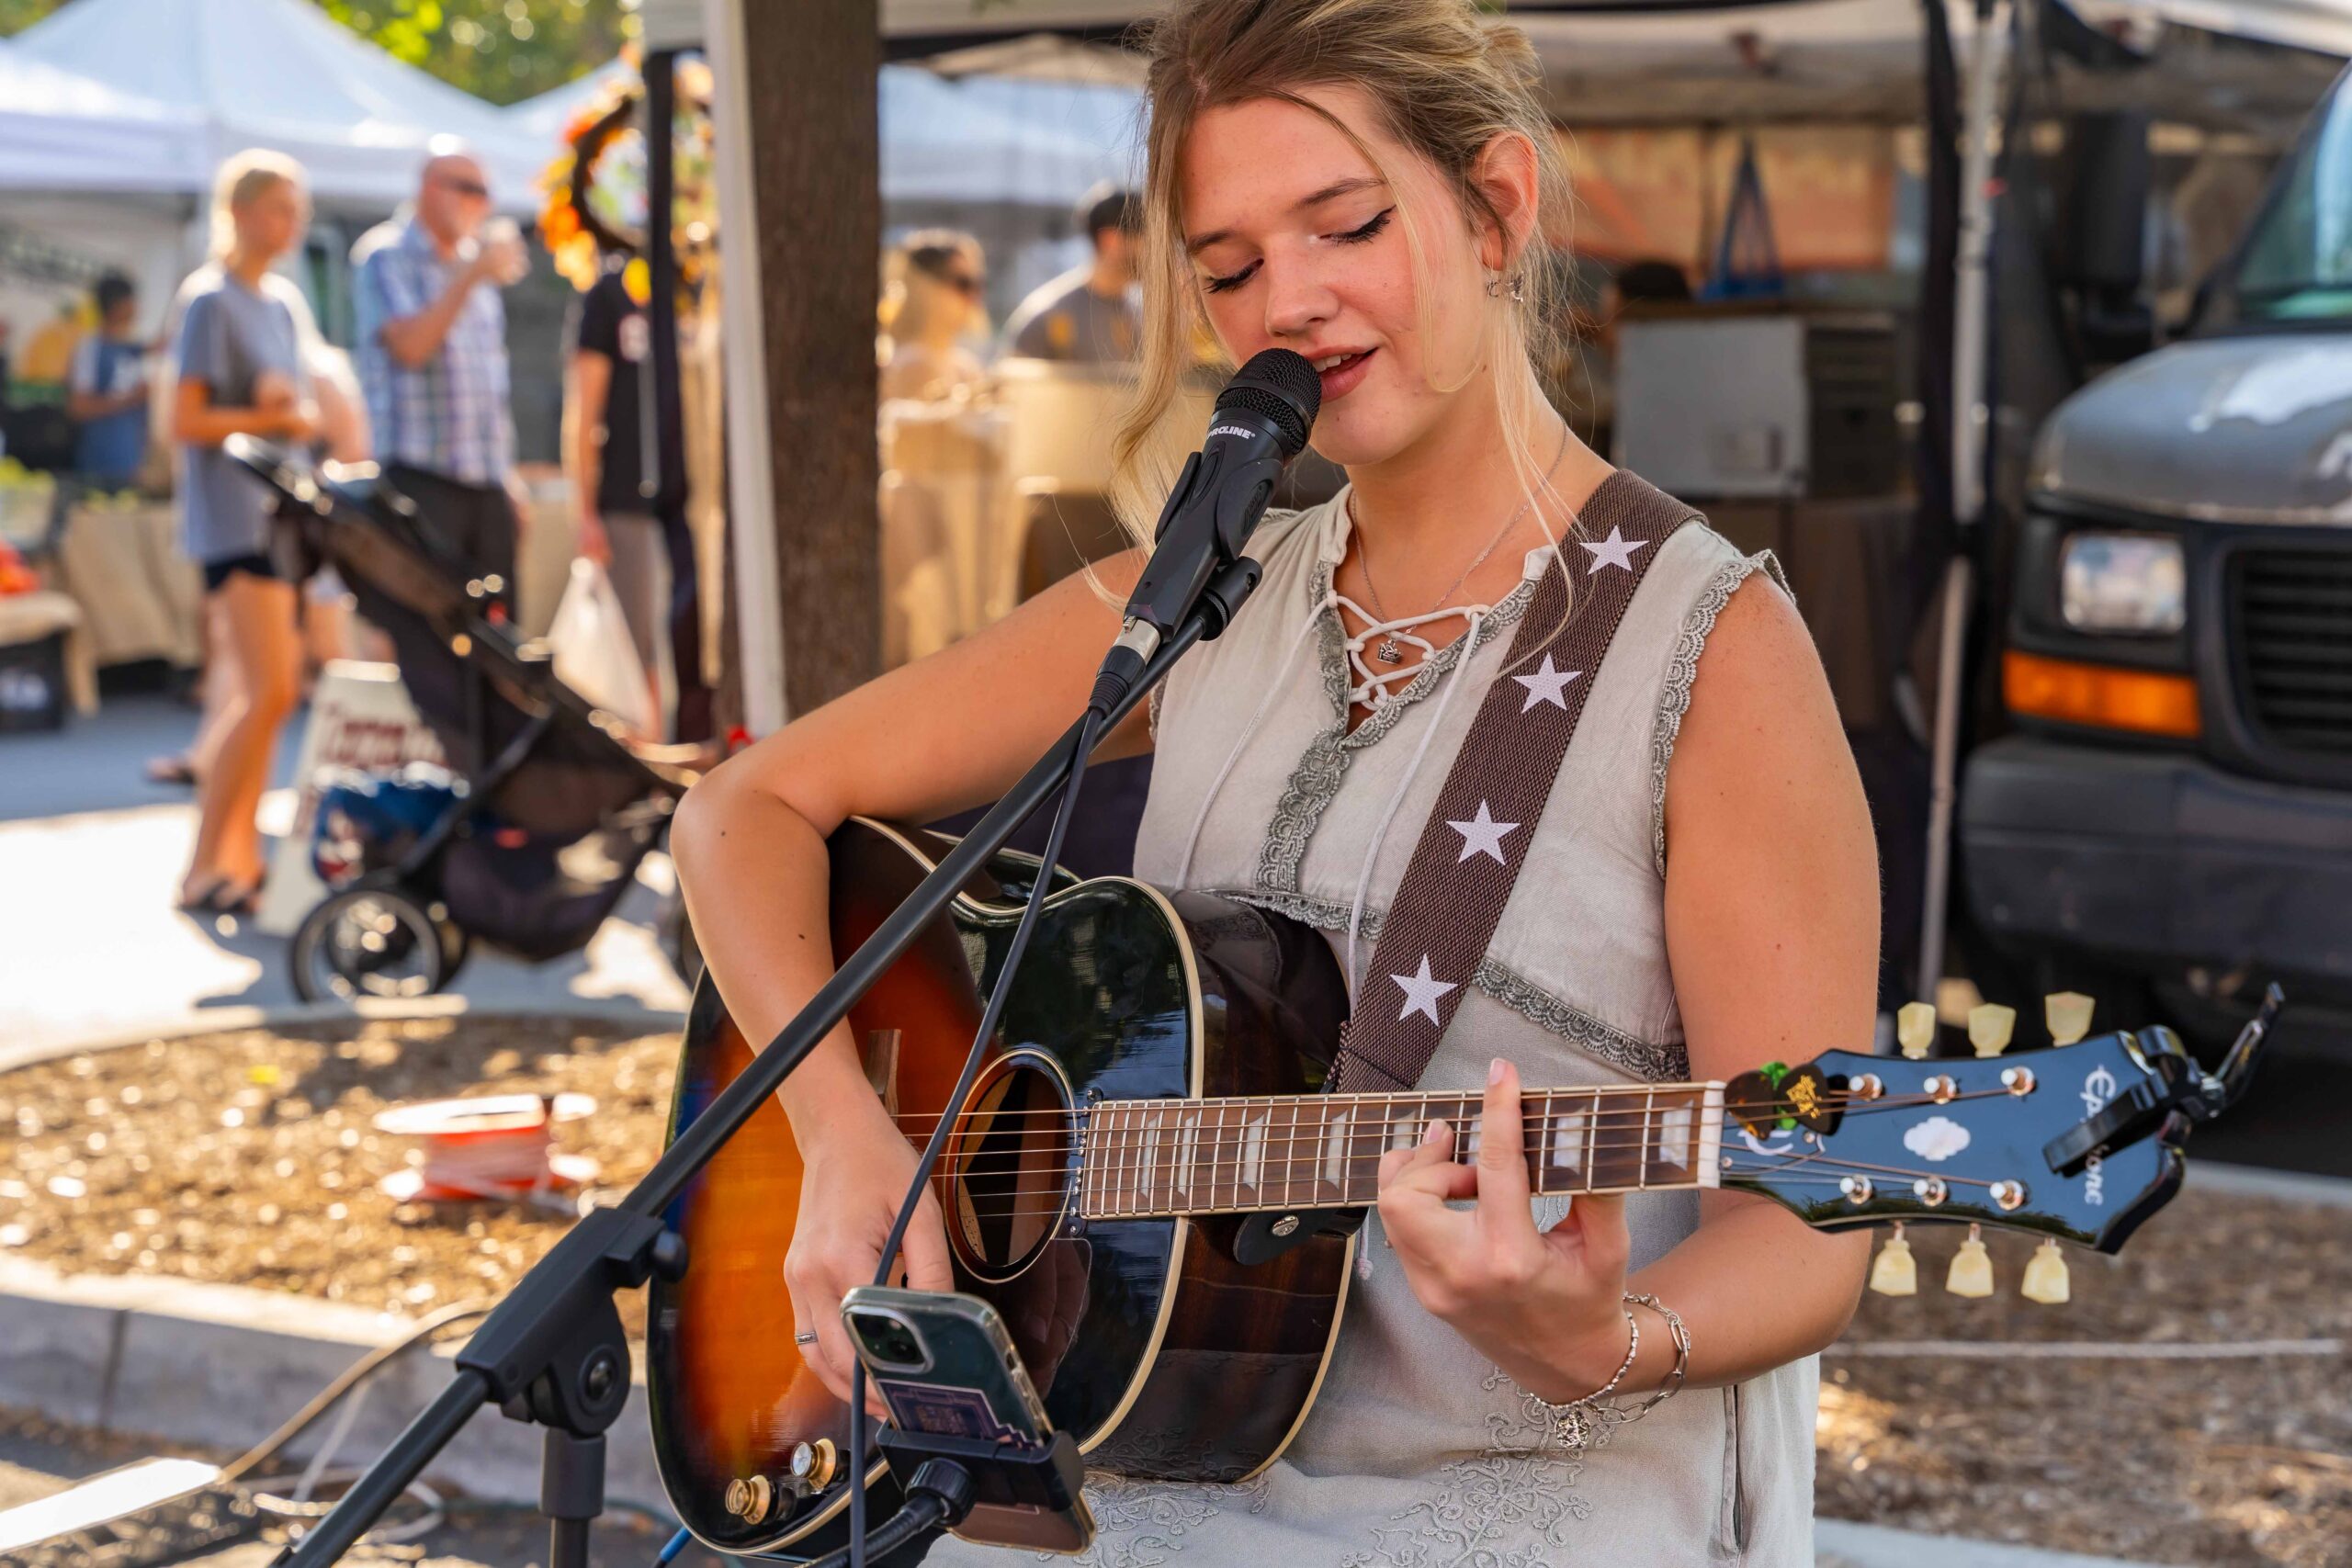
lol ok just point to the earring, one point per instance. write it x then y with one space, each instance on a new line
1516 285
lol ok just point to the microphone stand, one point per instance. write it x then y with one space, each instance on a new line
553 1351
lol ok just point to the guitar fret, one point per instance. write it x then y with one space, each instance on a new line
1147 1158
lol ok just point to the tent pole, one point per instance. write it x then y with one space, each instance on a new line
758 652
1971 419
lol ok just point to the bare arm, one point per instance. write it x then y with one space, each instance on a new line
583 416
81 405
1771 929
951 731
196 421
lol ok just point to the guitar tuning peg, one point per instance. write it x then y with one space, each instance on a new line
1915 1029
1894 1272
2068 1014
1989 1027
2046 1280
1971 1267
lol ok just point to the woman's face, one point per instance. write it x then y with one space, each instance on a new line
1297 243
270 223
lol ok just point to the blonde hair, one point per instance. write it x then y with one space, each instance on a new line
242 177
1443 84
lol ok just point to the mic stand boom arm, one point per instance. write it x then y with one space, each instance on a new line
553 1351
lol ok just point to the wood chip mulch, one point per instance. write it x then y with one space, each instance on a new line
249 1158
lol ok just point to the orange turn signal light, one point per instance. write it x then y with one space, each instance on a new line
2099 694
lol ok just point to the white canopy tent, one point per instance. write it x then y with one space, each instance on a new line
281 74
63 130
980 142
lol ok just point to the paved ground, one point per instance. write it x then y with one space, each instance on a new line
91 948
38 1459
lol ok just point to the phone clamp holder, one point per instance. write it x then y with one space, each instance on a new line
1006 1475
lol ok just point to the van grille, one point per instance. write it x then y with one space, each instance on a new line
2293 646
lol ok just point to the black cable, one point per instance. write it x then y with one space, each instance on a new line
1089 730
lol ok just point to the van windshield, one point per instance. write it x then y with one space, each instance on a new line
2297 264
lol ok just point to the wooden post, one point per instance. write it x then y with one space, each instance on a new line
807 115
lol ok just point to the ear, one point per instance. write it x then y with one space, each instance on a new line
1508 174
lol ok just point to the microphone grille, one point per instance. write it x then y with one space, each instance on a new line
1280 386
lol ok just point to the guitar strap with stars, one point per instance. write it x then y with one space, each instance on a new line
1462 872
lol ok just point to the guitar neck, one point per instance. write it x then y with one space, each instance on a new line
1152 1158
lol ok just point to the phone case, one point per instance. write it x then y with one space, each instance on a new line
974 1387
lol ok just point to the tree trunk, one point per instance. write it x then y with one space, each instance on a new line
815 176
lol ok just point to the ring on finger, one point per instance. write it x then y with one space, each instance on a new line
806 1336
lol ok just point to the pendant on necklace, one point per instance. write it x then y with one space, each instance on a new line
1388 652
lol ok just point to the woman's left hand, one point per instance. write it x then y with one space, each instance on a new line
1545 1306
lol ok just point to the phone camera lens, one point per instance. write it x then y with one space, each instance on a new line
889 1340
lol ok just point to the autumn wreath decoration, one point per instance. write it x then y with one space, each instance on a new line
595 203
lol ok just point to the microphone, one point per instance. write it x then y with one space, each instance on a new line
1261 422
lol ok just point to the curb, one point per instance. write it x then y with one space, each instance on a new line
626 1011
223 1365
1843 1543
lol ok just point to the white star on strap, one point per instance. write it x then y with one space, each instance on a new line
1547 685
1422 992
1615 550
1482 835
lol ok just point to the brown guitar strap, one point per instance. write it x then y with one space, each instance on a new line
1463 870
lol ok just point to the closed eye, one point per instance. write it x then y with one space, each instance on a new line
1231 280
1370 230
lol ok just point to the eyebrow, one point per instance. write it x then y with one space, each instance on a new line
1349 187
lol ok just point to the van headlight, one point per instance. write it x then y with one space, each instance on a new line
2130 583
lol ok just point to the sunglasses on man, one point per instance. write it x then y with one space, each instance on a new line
472 190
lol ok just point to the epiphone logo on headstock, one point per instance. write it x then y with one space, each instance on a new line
2097 1090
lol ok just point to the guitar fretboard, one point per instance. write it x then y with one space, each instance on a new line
1160 1157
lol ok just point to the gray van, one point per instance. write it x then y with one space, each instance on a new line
2174 804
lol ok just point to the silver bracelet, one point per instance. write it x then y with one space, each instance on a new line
1588 1423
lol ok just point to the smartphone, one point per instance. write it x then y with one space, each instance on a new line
944 1364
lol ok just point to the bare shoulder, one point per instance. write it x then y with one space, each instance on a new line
1759 682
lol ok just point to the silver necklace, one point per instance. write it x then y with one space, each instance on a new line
1388 652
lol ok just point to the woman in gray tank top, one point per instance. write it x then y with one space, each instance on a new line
1368 183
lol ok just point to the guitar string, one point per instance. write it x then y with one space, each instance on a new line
1731 1162
1124 1140
1845 1102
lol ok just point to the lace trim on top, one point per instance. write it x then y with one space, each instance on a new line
1652 1061
1314 783
1683 668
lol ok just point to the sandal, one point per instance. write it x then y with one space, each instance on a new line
177 771
222 896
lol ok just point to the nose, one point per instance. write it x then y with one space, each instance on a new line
1297 299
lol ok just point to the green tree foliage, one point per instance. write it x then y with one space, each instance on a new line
498 50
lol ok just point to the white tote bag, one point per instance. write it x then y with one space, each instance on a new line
593 653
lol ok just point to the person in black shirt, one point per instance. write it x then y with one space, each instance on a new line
609 447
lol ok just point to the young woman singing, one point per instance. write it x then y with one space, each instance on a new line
1368 183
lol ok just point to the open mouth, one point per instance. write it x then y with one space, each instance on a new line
1341 372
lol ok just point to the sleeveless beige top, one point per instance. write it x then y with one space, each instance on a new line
1418 1453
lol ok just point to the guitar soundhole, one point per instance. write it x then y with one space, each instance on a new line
1010 1174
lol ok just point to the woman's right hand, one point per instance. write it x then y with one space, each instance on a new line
856 1172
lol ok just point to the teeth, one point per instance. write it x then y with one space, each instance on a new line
1330 361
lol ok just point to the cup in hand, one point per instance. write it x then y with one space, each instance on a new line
503 252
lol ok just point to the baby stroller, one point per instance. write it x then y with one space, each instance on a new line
529 838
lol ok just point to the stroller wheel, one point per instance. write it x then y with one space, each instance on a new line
372 941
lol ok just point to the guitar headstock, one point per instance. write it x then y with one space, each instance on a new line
2078 1141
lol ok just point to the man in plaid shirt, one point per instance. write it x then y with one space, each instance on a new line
431 353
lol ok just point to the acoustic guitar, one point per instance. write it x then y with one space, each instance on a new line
1148 1187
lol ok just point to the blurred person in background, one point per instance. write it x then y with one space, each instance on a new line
106 393
239 371
432 352
933 305
609 448
1089 313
